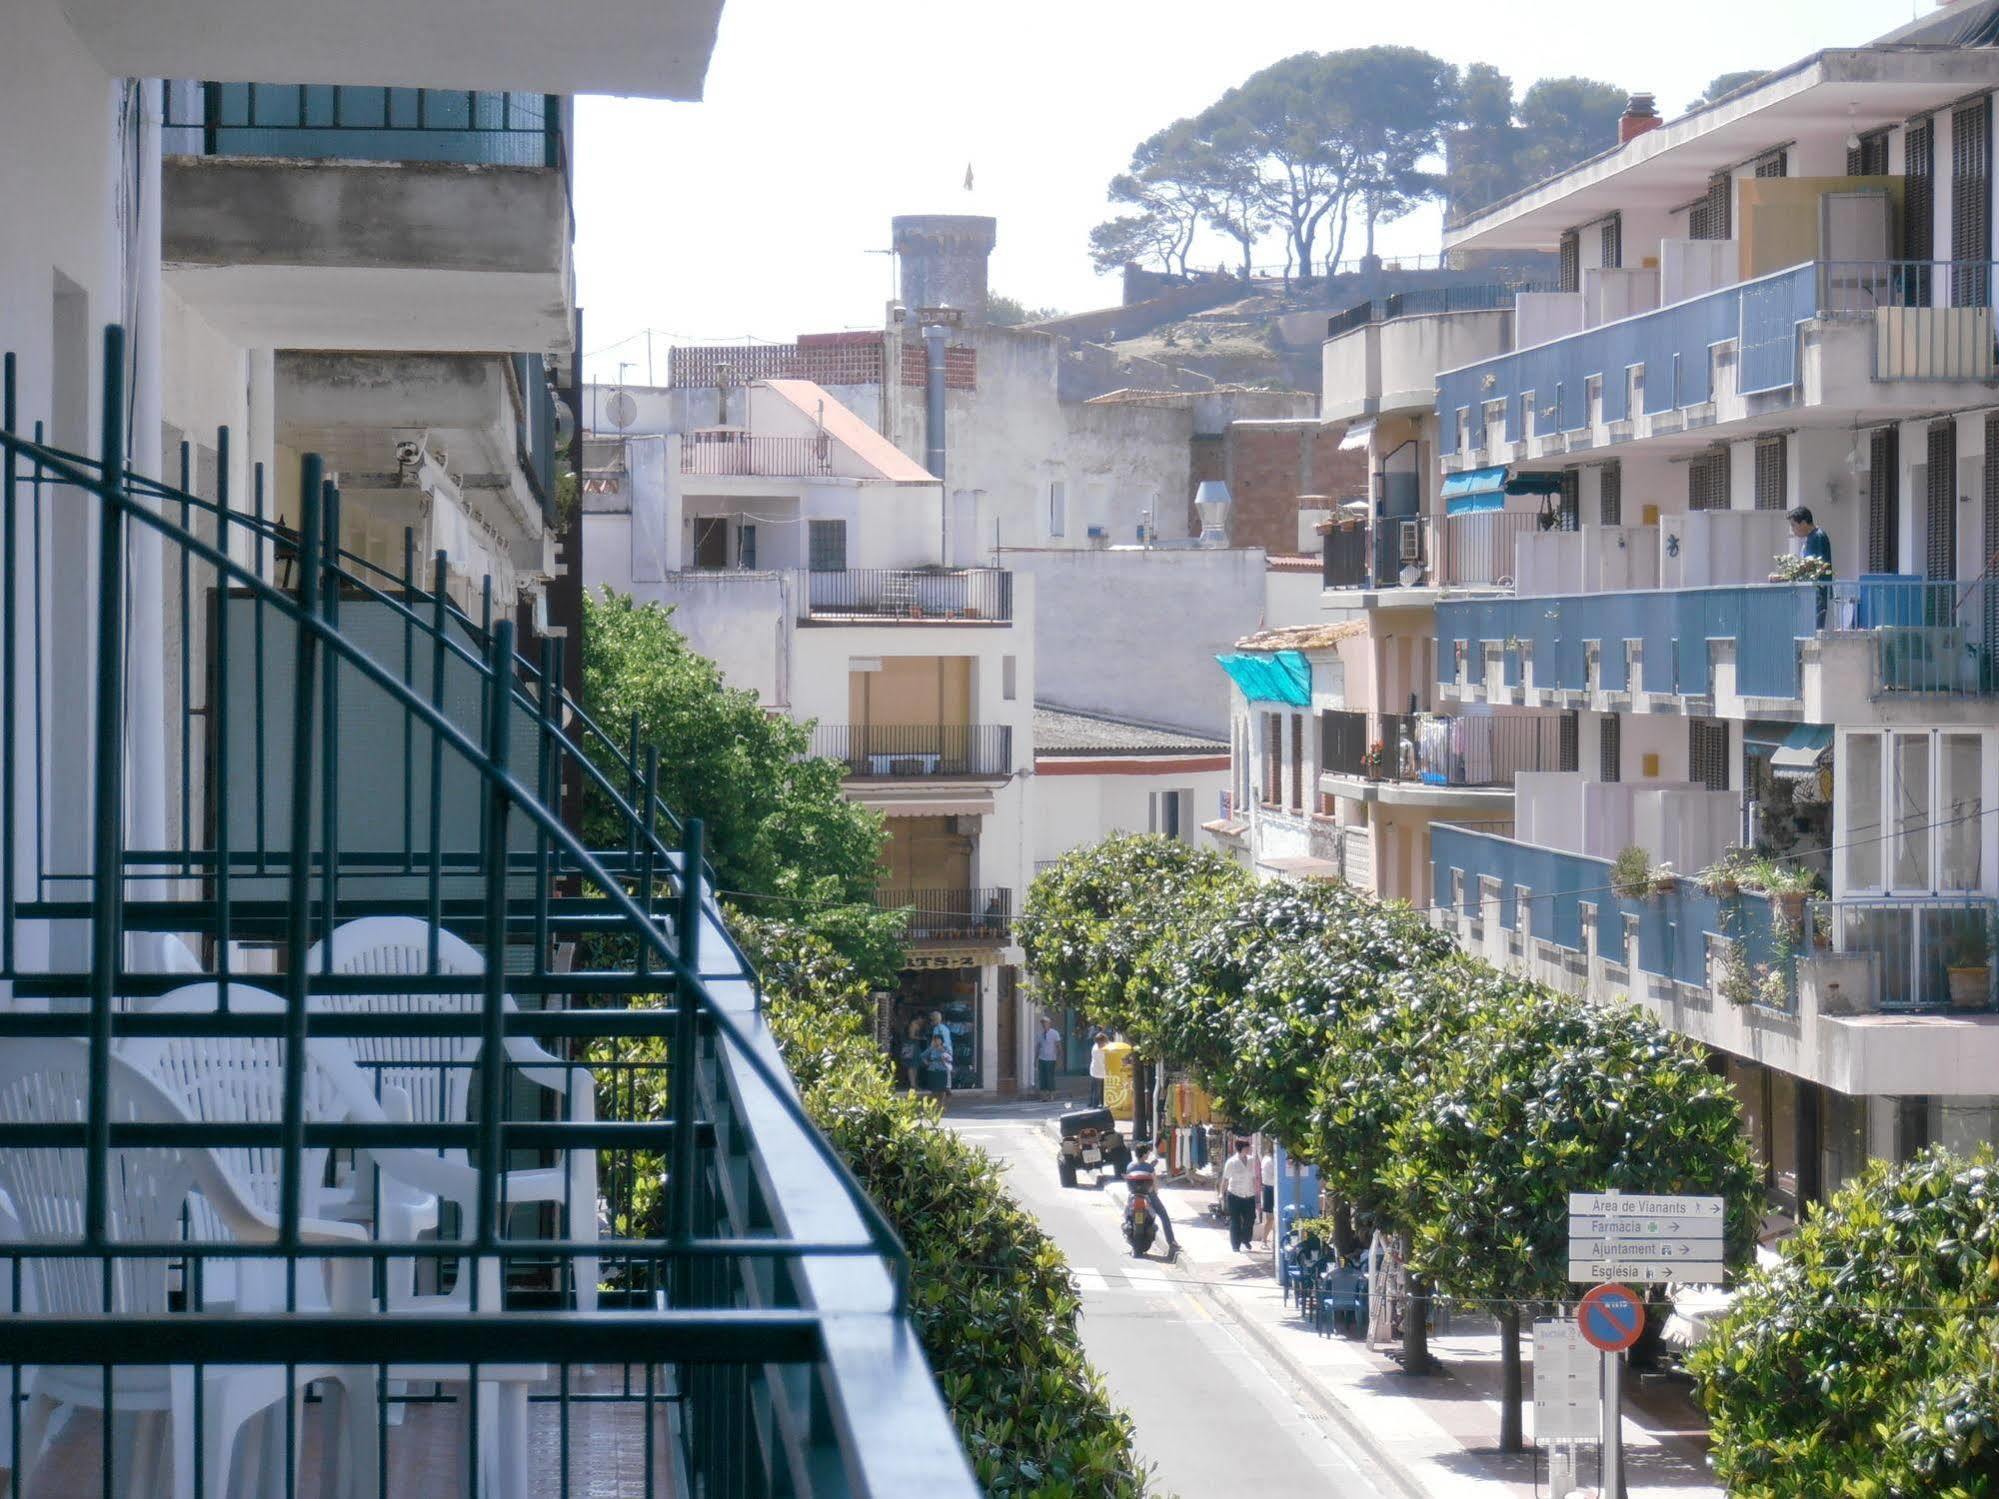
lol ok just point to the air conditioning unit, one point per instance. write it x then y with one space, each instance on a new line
1412 541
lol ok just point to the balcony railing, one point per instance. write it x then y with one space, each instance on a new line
1433 749
952 914
225 1185
1929 637
1933 953
1484 297
931 596
1565 890
1477 549
1932 321
724 453
894 752
1343 552
350 123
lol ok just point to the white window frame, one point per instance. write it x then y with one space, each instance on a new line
1058 507
1885 836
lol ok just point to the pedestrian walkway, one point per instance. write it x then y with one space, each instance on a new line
1437 1434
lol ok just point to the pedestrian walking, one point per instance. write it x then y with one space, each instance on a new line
1099 1067
1239 1192
1047 1052
1266 1176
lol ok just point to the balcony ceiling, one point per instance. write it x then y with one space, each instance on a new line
651 48
1670 167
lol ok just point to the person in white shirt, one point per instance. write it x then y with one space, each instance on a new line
1099 1068
1047 1052
1239 1192
1266 1173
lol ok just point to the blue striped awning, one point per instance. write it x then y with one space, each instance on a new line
1474 490
1271 676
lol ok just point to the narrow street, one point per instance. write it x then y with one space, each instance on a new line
1215 1416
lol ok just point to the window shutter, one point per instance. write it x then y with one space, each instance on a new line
1707 482
1610 748
1570 262
827 546
1971 204
1707 753
1940 559
1710 216
1991 532
1919 190
1570 735
1571 498
1884 519
1612 240
1610 493
1770 455
1772 165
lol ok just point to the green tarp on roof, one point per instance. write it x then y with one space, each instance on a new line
1271 676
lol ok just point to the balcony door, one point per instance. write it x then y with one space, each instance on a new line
711 541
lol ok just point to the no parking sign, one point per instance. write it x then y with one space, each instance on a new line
1610 1318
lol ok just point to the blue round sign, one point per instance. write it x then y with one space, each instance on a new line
1610 1318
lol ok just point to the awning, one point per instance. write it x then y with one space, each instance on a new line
1802 750
1765 733
1271 676
1474 490
1357 436
1546 482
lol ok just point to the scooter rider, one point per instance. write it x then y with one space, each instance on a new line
1142 1176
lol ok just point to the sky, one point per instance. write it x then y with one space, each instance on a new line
756 213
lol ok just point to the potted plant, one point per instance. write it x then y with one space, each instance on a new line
1788 569
1372 761
1969 962
1632 875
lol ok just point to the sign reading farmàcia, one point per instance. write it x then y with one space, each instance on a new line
1617 1236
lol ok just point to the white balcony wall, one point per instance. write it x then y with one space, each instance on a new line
1717 548
1413 349
1350 374
1544 808
1694 267
1684 826
1611 293
1542 316
1595 559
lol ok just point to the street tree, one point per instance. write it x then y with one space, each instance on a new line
1863 1361
780 834
1557 1095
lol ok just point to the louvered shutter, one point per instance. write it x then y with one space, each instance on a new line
1940 555
1884 519
1770 465
1971 205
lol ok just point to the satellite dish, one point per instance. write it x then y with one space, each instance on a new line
565 422
621 410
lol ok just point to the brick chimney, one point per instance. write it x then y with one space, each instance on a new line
1640 115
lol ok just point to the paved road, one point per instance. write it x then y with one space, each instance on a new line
1215 1416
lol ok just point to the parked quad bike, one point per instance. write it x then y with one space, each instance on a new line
1091 1143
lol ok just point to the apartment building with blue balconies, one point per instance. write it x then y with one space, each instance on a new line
1782 299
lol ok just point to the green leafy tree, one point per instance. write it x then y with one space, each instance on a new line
1133 239
1727 83
780 835
1163 182
1564 121
1559 1095
1006 312
1482 154
1863 1363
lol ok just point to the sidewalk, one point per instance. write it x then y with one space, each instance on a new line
1437 1435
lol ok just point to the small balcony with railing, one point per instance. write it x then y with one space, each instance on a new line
1825 336
1430 758
364 1126
1820 648
931 596
918 752
316 216
952 915
1381 356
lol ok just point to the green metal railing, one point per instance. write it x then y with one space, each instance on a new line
750 1325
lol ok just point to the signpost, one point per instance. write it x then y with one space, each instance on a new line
1649 1240
1642 1240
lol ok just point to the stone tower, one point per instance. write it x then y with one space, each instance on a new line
943 259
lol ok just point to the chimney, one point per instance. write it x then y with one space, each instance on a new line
1640 115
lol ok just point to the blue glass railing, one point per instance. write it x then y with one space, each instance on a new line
1929 637
471 127
1672 348
1673 927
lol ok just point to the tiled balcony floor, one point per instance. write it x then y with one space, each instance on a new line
607 1444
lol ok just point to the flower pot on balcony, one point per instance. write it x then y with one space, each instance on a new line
1970 988
1790 907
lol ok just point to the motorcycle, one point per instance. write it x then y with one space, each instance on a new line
1141 1224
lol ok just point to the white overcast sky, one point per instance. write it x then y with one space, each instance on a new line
751 214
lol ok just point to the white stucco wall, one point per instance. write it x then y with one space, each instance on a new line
1074 811
1132 632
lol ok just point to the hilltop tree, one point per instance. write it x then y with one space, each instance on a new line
1564 121
1133 239
1727 83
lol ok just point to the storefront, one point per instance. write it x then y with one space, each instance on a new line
953 993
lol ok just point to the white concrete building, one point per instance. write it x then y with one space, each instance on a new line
800 550
1782 299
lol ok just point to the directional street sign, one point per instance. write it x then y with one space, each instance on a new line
1652 1240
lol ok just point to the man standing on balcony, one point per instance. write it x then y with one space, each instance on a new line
1813 543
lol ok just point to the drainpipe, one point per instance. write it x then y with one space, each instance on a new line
933 430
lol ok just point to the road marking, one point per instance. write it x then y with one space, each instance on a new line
1090 1280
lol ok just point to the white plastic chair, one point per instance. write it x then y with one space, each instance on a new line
435 1072
47 1081
241 1079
